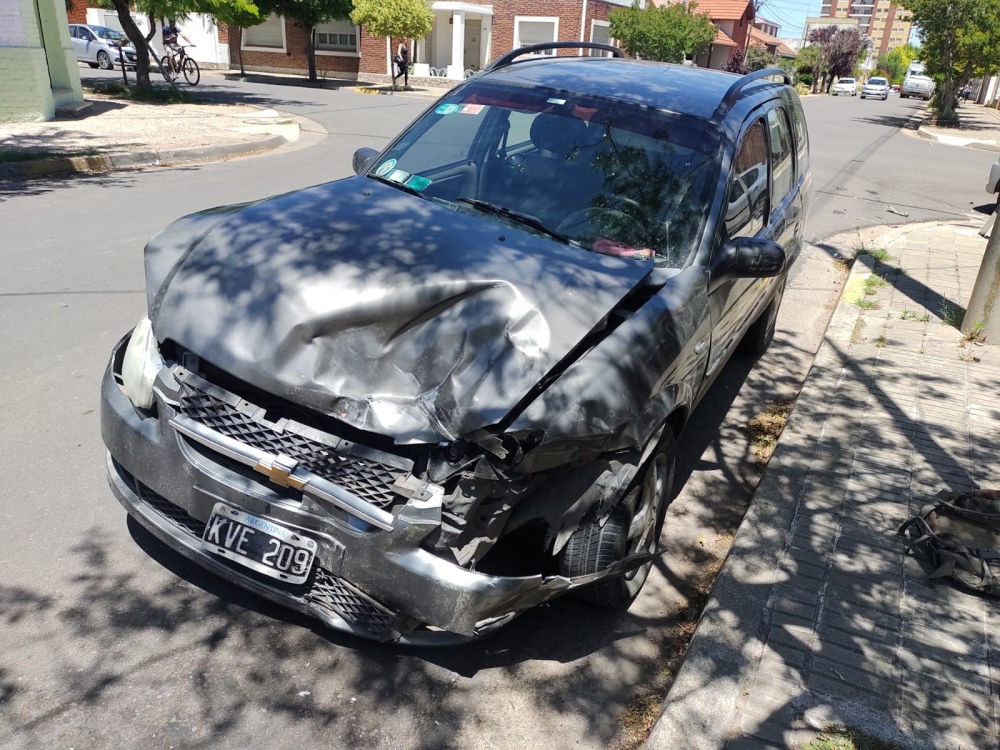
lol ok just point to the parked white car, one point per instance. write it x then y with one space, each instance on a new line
847 86
917 85
877 88
98 46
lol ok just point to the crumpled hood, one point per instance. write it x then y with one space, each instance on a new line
392 313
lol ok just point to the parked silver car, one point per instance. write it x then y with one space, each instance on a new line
98 46
877 88
915 85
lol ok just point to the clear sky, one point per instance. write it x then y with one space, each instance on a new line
790 14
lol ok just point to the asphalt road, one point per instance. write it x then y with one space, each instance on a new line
108 639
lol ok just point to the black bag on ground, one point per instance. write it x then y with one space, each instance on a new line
960 534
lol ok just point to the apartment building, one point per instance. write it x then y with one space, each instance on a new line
884 22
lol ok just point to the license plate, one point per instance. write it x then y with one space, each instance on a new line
258 544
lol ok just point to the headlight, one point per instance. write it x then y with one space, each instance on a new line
141 363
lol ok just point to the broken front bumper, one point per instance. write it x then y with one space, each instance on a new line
371 576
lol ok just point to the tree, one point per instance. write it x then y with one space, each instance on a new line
841 49
810 60
736 63
894 63
307 14
961 41
663 33
758 58
163 9
241 18
399 19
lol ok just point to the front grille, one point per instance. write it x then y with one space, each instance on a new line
351 604
177 515
369 480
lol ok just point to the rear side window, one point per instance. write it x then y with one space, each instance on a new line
801 138
746 203
782 166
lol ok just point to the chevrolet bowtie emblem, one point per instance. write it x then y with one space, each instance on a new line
279 470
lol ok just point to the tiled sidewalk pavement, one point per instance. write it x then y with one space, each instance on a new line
819 619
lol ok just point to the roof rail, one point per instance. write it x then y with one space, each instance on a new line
506 59
733 94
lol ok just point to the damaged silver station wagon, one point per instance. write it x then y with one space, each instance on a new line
417 401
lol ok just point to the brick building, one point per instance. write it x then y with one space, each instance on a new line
884 22
464 38
38 71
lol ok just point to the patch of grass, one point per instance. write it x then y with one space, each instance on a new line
859 324
975 334
843 266
31 154
766 428
846 738
872 283
152 95
878 253
881 341
868 304
951 315
925 318
908 315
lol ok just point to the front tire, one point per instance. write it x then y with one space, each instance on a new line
633 528
104 61
192 74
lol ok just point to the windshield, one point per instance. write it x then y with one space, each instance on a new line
878 82
105 33
606 176
846 80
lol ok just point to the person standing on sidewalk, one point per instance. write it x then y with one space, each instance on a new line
402 63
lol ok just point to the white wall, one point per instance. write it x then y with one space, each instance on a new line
198 27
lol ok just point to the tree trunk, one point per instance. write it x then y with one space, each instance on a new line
311 52
138 41
239 52
984 305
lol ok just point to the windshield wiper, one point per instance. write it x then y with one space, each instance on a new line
528 221
400 185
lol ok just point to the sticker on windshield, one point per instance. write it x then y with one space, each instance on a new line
417 182
385 167
471 109
447 109
555 101
399 176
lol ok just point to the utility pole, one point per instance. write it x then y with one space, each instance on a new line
984 305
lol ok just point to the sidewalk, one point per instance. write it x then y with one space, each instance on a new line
818 619
979 127
115 133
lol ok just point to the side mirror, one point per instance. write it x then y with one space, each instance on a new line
747 258
363 159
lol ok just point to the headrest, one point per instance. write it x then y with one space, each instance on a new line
560 135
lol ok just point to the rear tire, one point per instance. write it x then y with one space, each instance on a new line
191 72
760 334
627 531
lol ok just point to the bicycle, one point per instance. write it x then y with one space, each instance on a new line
173 63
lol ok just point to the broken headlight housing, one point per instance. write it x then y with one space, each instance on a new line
141 363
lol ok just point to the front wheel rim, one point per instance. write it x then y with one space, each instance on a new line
642 530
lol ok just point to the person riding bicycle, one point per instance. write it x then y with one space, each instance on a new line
171 48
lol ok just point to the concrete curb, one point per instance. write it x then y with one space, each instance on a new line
392 92
706 697
29 170
956 140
